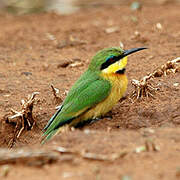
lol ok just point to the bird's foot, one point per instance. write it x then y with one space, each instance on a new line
95 120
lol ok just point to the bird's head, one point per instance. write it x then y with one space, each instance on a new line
111 60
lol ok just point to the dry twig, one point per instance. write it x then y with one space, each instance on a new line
92 156
55 91
24 118
143 87
58 99
28 157
38 157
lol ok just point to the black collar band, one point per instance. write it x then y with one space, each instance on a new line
121 71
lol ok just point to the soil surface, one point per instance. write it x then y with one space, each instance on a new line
140 141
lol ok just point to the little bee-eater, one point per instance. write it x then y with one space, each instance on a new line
99 88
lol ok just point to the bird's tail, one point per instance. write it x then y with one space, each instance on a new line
52 118
52 133
54 124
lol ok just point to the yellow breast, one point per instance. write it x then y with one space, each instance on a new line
119 85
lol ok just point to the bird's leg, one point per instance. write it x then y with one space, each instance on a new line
79 124
95 120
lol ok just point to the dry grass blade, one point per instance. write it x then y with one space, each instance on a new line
101 157
143 88
55 93
147 147
58 98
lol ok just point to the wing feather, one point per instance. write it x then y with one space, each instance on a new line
86 93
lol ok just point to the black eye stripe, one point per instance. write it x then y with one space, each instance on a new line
109 61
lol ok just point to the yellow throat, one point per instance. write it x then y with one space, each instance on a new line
113 68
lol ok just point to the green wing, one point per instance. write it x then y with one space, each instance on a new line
88 91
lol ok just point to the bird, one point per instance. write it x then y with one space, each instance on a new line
95 93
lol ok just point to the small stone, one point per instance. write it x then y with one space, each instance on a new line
26 73
61 149
7 95
159 26
126 177
111 30
50 36
64 63
136 6
149 130
67 175
76 64
150 57
5 170
62 44
176 84
140 149
87 131
72 129
109 129
121 45
45 66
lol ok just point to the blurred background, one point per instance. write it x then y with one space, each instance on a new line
66 6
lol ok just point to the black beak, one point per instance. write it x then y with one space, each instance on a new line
133 50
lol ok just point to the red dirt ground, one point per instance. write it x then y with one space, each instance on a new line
40 43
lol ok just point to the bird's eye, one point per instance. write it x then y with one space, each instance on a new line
110 60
